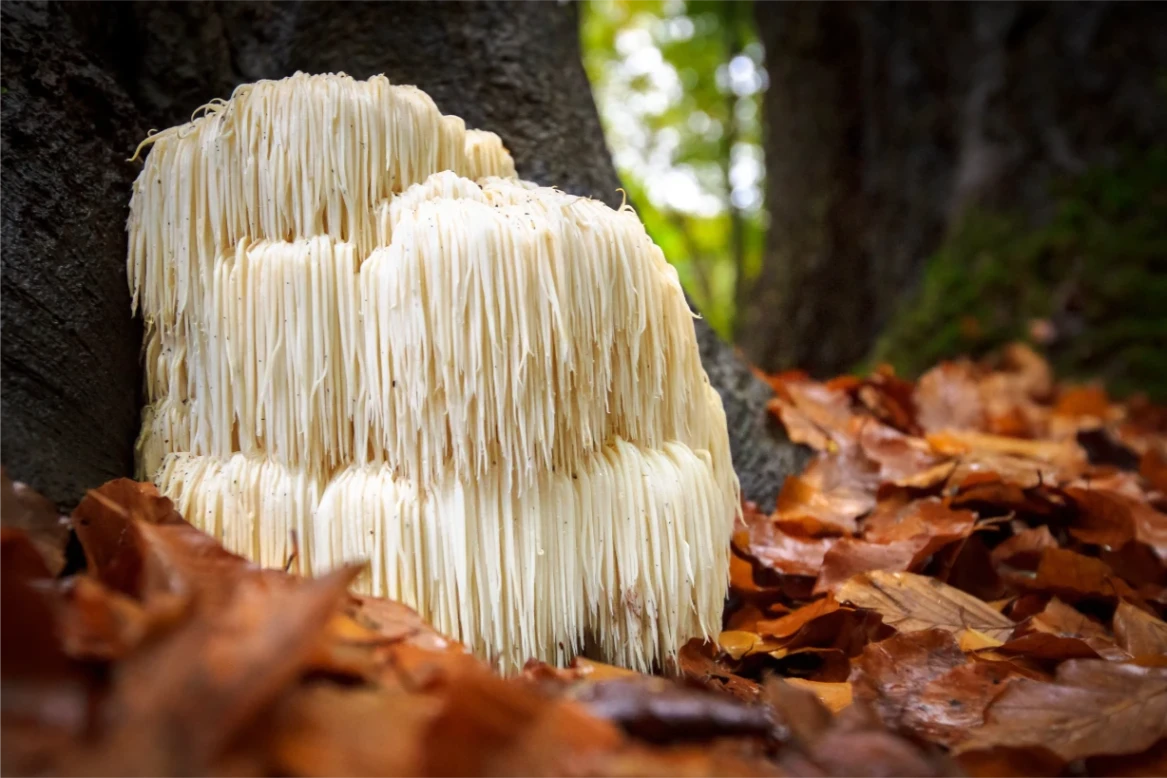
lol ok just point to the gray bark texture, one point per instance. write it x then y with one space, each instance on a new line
85 81
886 121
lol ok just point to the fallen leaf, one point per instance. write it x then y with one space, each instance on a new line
1153 468
1004 762
929 517
658 710
899 456
1063 454
814 414
696 661
1092 708
910 602
1023 550
24 509
1148 764
1073 576
848 557
1061 632
739 643
822 495
1083 401
834 696
1104 518
787 553
1138 632
949 397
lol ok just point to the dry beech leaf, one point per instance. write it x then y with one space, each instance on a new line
929 517
1092 708
1138 632
1061 453
849 557
1074 576
949 397
1023 550
910 602
787 553
1061 632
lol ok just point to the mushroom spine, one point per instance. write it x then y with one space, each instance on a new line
362 328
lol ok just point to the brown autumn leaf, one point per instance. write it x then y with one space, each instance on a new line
817 627
848 557
910 602
928 516
1073 576
697 661
924 684
1148 764
177 703
1023 550
888 675
831 502
1138 632
814 414
1065 455
1092 708
1077 402
899 456
1005 762
787 553
834 696
24 509
1153 469
1061 632
660 710
949 397
1104 518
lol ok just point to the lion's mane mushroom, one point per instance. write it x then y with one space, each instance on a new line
362 329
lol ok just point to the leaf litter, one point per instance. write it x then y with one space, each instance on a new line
969 578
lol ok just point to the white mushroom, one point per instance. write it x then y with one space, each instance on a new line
364 329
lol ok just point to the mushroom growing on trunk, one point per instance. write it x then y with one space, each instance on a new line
368 339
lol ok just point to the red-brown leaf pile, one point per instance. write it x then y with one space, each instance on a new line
969 576
979 558
170 656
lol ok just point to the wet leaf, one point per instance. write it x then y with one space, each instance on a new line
910 602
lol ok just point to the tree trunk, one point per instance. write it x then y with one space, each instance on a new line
85 81
885 122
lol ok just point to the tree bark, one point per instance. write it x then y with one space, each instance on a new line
885 122
84 83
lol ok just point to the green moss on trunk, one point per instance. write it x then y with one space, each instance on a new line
1097 272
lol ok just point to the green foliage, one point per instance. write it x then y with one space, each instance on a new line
682 119
1097 272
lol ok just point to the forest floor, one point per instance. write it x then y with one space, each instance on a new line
970 577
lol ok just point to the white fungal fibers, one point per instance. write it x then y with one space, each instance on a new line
365 336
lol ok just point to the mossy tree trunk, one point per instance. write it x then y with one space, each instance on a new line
885 122
85 81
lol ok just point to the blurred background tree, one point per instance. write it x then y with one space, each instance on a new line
843 182
679 86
